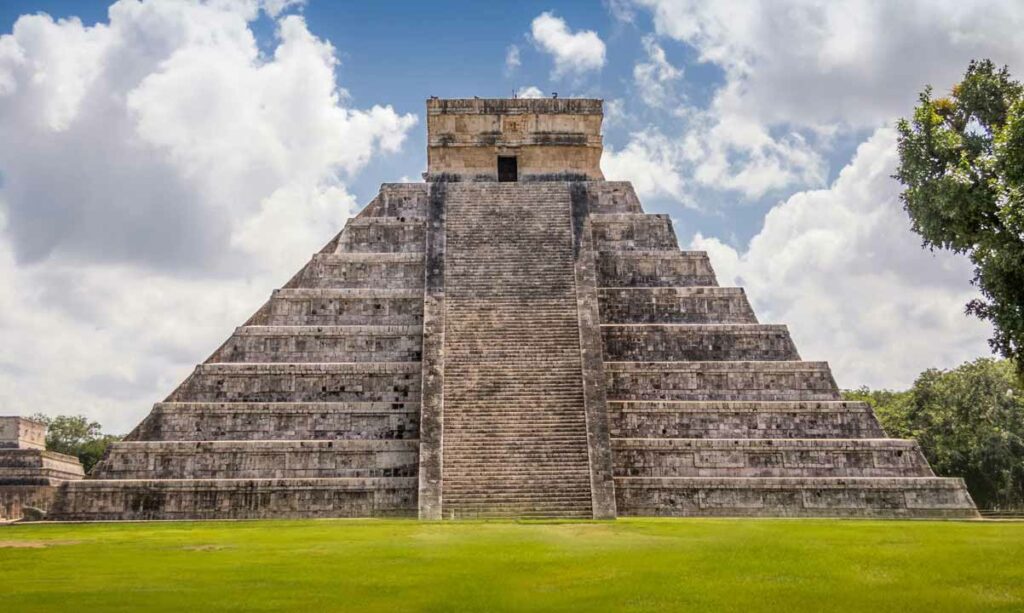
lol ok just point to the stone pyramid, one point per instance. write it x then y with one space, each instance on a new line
514 337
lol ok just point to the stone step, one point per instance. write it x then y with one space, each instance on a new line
751 381
382 235
724 419
407 200
242 421
633 231
697 342
268 459
655 268
363 270
36 467
345 306
667 457
153 499
322 344
674 305
341 382
918 497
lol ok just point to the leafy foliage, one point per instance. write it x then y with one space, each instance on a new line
77 436
969 422
962 168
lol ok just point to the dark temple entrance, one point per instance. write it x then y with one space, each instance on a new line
508 169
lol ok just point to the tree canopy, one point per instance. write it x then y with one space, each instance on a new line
969 422
75 435
962 168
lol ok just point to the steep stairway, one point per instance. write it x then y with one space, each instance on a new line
515 435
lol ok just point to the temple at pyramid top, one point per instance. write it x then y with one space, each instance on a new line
517 139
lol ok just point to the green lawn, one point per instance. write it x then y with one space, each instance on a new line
630 564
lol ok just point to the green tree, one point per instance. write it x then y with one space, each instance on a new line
969 422
962 168
77 436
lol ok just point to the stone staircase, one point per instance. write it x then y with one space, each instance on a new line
515 434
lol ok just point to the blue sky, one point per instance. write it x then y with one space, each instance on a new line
166 163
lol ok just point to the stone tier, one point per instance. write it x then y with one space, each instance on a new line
675 305
661 268
697 342
720 381
604 197
755 420
633 232
322 344
342 307
343 382
37 467
667 457
407 200
250 421
917 497
148 499
363 270
258 459
382 235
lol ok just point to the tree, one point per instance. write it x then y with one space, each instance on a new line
969 422
77 436
962 168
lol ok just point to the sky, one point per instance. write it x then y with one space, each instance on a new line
164 164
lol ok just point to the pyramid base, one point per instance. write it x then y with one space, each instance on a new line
864 497
103 500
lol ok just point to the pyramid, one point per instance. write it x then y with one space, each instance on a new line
513 337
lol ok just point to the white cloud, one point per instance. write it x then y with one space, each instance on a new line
822 62
163 176
530 91
512 61
798 72
650 162
654 78
573 52
841 266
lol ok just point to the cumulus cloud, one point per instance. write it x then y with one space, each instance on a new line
795 73
530 91
162 175
655 78
842 267
574 53
822 62
650 162
512 61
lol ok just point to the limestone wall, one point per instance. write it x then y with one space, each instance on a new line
794 497
675 305
21 433
697 342
548 137
731 419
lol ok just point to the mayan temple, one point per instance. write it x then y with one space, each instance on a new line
512 337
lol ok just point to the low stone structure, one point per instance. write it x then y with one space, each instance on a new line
29 475
513 337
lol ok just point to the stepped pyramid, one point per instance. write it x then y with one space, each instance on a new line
514 337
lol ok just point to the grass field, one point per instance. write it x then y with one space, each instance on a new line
630 565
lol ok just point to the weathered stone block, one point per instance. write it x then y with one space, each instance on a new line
321 344
697 342
767 420
662 268
675 305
